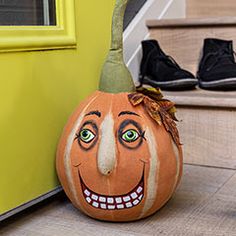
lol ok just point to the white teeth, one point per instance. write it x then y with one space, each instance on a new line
128 204
118 200
139 190
88 199
136 202
121 206
103 206
102 199
140 197
102 202
86 192
94 197
110 200
95 204
127 198
134 195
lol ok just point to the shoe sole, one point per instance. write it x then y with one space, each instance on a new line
180 84
223 84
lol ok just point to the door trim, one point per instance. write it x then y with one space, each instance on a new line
30 203
28 38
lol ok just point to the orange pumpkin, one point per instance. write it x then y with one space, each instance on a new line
119 157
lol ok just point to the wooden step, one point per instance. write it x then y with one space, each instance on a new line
192 22
204 98
183 38
210 8
207 126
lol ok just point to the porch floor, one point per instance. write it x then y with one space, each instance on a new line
205 204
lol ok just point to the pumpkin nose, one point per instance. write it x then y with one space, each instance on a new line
107 148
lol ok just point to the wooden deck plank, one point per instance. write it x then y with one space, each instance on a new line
229 189
200 200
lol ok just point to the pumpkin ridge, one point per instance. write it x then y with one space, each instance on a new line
151 187
68 147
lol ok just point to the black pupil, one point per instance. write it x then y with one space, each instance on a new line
84 133
130 134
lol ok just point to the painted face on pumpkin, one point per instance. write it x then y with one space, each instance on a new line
127 134
113 160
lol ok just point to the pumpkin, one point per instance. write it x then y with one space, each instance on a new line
119 157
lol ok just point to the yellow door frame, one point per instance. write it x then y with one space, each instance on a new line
27 38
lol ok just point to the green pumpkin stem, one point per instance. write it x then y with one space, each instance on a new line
115 76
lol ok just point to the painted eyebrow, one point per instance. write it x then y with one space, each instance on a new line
128 113
97 113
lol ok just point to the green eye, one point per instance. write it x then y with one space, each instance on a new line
86 135
130 135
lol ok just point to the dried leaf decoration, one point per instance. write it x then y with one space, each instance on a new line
161 110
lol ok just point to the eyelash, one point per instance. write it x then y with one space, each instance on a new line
142 135
76 136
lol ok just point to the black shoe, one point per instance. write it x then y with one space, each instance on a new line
160 70
217 68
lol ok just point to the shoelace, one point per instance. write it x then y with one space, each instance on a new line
166 58
219 55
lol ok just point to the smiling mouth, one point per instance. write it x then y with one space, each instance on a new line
118 202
